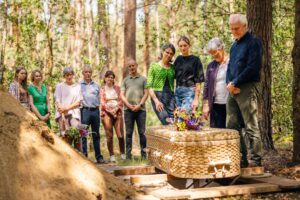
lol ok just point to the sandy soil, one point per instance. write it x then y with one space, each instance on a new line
32 168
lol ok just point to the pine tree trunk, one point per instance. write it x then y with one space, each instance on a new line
129 32
157 28
49 42
296 85
259 13
78 44
147 39
103 37
3 40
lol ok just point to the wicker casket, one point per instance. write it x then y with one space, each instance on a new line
209 153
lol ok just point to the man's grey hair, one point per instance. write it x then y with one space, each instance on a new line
238 18
87 66
68 70
215 44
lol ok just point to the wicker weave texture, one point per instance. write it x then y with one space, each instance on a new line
195 159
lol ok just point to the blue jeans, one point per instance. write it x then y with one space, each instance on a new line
184 97
92 117
168 100
140 119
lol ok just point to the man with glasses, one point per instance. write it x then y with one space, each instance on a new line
243 74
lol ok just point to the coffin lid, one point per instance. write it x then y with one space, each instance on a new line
205 134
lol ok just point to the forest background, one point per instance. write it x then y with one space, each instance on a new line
52 34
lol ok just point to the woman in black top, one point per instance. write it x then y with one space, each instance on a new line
189 75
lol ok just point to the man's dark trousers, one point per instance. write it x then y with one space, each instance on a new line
92 117
140 118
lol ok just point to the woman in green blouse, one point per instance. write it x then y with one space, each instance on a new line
160 83
39 98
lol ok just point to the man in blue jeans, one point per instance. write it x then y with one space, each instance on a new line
242 78
90 114
134 95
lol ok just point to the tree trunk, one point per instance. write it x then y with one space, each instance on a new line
78 43
116 38
3 40
147 39
49 42
259 13
296 86
103 37
129 32
157 28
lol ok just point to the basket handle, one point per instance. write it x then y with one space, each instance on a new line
222 163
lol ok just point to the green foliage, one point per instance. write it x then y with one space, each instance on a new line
282 68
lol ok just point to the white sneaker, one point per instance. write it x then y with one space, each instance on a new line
123 157
112 158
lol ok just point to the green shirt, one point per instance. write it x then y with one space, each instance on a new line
39 99
134 87
158 75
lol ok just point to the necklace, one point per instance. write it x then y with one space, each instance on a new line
164 65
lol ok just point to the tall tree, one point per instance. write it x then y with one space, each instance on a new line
296 86
129 32
49 40
3 39
259 13
147 36
103 36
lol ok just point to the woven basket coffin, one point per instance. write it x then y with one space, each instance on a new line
207 154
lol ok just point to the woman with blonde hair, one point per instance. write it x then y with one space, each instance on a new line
39 97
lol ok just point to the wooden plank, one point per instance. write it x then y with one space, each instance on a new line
283 183
134 170
213 192
145 197
165 194
233 190
252 170
144 180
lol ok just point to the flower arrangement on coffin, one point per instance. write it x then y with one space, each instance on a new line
184 120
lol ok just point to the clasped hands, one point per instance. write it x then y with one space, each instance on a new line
232 89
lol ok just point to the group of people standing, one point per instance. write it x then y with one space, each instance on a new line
229 94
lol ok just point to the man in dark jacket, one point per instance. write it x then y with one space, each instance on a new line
242 76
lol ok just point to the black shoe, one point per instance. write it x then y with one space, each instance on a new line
244 164
101 161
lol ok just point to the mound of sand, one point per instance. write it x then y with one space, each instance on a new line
32 168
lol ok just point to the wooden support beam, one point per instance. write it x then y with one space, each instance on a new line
149 180
252 171
213 192
283 183
134 170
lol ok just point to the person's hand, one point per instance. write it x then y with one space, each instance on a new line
230 87
159 106
131 107
236 90
205 111
46 117
137 108
195 104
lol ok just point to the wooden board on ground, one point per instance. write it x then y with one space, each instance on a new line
213 192
283 183
252 170
134 170
148 180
